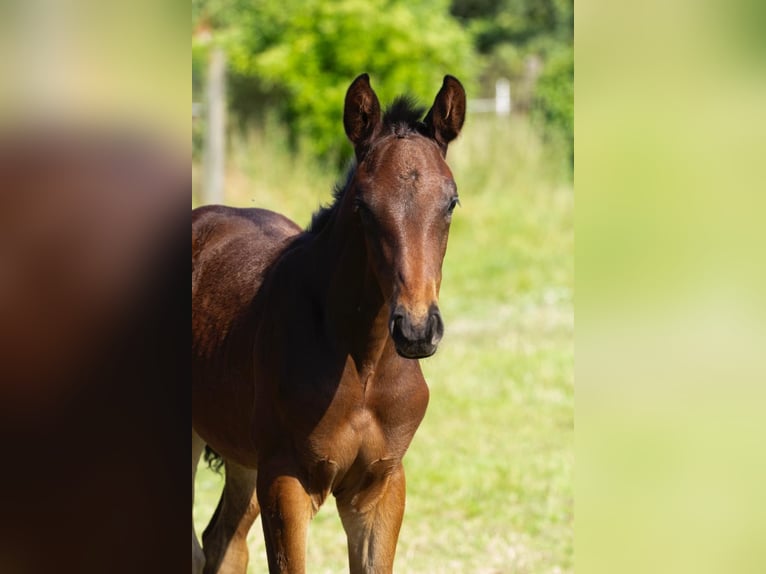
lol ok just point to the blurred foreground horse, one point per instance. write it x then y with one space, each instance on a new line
93 352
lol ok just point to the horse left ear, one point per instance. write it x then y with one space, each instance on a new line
445 118
361 114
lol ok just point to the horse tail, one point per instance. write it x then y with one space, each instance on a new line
213 459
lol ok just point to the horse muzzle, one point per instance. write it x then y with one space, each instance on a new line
416 339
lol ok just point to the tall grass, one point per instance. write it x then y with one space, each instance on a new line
262 171
490 470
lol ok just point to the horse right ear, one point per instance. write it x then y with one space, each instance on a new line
445 118
361 114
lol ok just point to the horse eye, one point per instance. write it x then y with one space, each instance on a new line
363 210
454 202
360 206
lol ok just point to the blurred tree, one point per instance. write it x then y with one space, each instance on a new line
219 15
295 58
517 22
299 56
530 42
553 101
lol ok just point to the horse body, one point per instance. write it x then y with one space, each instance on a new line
335 402
305 345
231 251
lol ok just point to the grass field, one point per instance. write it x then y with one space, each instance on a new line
490 471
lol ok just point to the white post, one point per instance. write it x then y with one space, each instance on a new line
502 97
214 154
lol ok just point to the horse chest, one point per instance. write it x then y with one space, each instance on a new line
353 457
352 438
352 431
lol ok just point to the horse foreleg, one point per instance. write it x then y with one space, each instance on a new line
287 510
372 518
198 557
225 538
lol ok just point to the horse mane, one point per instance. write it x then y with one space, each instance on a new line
401 118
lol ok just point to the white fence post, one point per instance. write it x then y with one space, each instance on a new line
499 105
502 97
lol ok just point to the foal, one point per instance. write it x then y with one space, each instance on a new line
305 344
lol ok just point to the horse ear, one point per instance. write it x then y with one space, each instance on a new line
361 114
446 116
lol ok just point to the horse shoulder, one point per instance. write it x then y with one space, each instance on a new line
232 250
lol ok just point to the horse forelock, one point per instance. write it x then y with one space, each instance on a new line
403 117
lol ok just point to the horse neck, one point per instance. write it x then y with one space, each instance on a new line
355 310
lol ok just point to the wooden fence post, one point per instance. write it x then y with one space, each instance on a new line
215 130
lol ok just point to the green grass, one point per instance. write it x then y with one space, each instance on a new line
490 471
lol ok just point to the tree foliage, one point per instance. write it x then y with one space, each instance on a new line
512 34
518 22
553 104
304 55
295 58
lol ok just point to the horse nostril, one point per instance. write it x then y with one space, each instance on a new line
435 326
395 326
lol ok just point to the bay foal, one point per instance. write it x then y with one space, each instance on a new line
305 345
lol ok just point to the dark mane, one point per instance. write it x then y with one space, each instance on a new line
323 214
402 118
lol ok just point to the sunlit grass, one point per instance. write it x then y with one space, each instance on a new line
490 471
